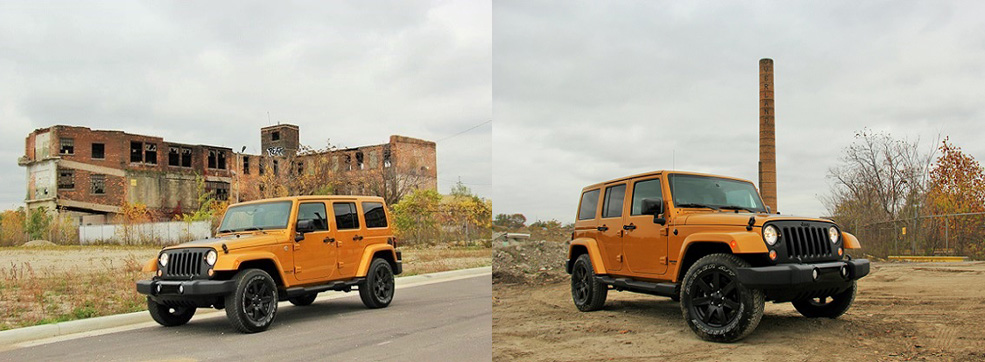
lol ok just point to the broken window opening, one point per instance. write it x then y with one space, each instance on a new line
98 184
386 157
174 156
300 168
98 151
212 159
66 179
260 168
67 146
218 189
359 161
186 157
348 163
136 152
150 153
222 160
275 136
246 165
276 168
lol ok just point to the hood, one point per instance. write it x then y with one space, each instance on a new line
235 241
739 219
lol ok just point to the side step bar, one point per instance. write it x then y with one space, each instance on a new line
345 286
662 289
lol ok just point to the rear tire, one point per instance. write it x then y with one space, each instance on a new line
827 307
715 305
252 306
169 316
587 292
376 290
304 300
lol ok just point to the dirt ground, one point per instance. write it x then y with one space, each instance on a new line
904 311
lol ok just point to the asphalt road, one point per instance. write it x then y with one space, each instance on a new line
442 321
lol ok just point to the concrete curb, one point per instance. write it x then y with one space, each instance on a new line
20 335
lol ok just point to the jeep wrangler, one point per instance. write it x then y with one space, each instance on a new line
708 242
275 250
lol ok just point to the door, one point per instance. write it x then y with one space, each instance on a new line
347 237
610 226
374 218
315 255
645 242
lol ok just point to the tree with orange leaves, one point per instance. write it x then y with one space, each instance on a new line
957 186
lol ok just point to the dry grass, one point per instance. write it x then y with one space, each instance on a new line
49 288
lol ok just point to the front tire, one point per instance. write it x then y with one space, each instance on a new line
827 307
304 300
587 292
715 305
376 290
253 304
169 316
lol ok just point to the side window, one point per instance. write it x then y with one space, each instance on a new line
614 195
314 211
589 203
345 215
374 214
649 189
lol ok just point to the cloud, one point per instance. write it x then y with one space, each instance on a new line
589 91
349 72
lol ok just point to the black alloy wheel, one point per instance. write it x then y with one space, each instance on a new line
376 291
579 284
716 306
716 300
252 306
258 300
588 293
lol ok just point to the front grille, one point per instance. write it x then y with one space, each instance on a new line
807 241
184 263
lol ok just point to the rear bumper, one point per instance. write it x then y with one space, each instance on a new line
186 288
802 276
399 264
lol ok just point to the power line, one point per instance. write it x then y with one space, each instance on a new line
460 133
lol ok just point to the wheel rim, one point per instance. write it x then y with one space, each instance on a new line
579 281
383 285
258 300
715 301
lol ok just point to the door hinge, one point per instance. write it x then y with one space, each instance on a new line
619 258
297 270
663 260
297 246
663 232
341 264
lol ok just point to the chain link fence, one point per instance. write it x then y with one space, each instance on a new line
928 235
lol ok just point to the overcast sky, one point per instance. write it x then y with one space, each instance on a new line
354 72
588 91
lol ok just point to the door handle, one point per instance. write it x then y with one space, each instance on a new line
631 226
357 238
329 240
602 228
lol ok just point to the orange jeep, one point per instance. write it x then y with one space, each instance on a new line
274 250
708 242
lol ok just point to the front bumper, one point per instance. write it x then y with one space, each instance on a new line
188 288
802 276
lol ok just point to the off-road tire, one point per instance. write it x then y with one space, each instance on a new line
377 289
828 307
169 316
586 291
252 305
303 300
731 314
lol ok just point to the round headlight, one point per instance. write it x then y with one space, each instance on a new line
833 234
163 259
210 257
770 234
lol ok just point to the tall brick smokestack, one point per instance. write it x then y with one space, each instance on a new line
767 134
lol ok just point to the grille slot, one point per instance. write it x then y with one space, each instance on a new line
806 242
185 263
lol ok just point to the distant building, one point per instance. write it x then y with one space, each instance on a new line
89 174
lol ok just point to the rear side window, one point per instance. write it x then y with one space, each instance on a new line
316 212
649 189
589 203
614 195
345 215
374 214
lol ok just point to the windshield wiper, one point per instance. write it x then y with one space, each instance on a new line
225 231
733 207
699 205
255 228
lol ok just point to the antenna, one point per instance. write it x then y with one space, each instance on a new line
268 118
673 160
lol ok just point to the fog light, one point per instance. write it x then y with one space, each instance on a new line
816 273
211 272
181 288
840 251
772 254
158 288
844 271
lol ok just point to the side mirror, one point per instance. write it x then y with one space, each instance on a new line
303 227
655 207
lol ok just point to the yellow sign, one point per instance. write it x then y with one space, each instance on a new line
904 230
133 182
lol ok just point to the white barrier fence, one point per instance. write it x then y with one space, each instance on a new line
158 233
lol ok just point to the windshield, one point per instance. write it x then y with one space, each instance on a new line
262 216
714 193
